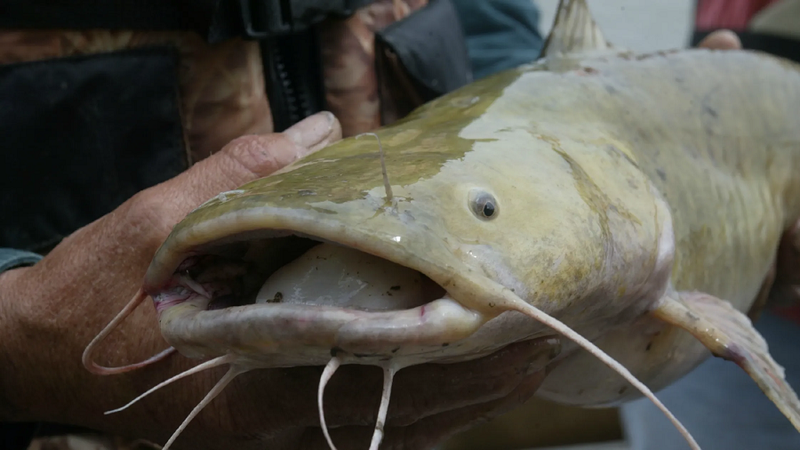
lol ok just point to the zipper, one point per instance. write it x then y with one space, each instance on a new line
293 77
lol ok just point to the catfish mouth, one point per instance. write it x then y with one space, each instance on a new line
346 271
290 298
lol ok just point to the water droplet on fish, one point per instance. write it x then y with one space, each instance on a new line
225 196
465 102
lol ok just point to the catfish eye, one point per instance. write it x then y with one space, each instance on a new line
483 204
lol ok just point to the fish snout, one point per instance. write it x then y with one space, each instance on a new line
293 307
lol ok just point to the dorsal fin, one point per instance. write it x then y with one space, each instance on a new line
574 31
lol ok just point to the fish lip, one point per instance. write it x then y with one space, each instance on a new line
286 335
272 335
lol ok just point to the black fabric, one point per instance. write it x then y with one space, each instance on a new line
81 135
214 20
105 14
777 45
269 18
430 44
19 435
16 436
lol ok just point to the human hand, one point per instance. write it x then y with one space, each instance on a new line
49 313
721 40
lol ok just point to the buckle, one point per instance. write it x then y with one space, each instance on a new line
267 18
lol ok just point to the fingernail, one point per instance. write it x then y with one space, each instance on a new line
312 130
721 40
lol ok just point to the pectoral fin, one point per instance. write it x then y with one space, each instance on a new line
729 334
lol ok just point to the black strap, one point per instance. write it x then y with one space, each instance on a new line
432 47
16 436
777 45
267 18
215 20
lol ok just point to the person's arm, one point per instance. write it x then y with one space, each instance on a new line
14 341
13 436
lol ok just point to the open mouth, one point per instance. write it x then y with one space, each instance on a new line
285 297
295 270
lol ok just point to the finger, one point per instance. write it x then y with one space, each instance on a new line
251 157
422 393
435 429
721 40
353 395
432 430
424 390
322 124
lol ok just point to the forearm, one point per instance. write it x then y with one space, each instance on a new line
41 377
13 338
48 312
44 326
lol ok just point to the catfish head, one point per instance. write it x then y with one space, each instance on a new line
323 259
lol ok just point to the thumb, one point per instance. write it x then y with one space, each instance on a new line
251 157
721 40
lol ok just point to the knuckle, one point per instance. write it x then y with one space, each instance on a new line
259 155
145 216
143 206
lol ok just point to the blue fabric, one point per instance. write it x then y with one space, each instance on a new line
501 34
720 404
11 258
